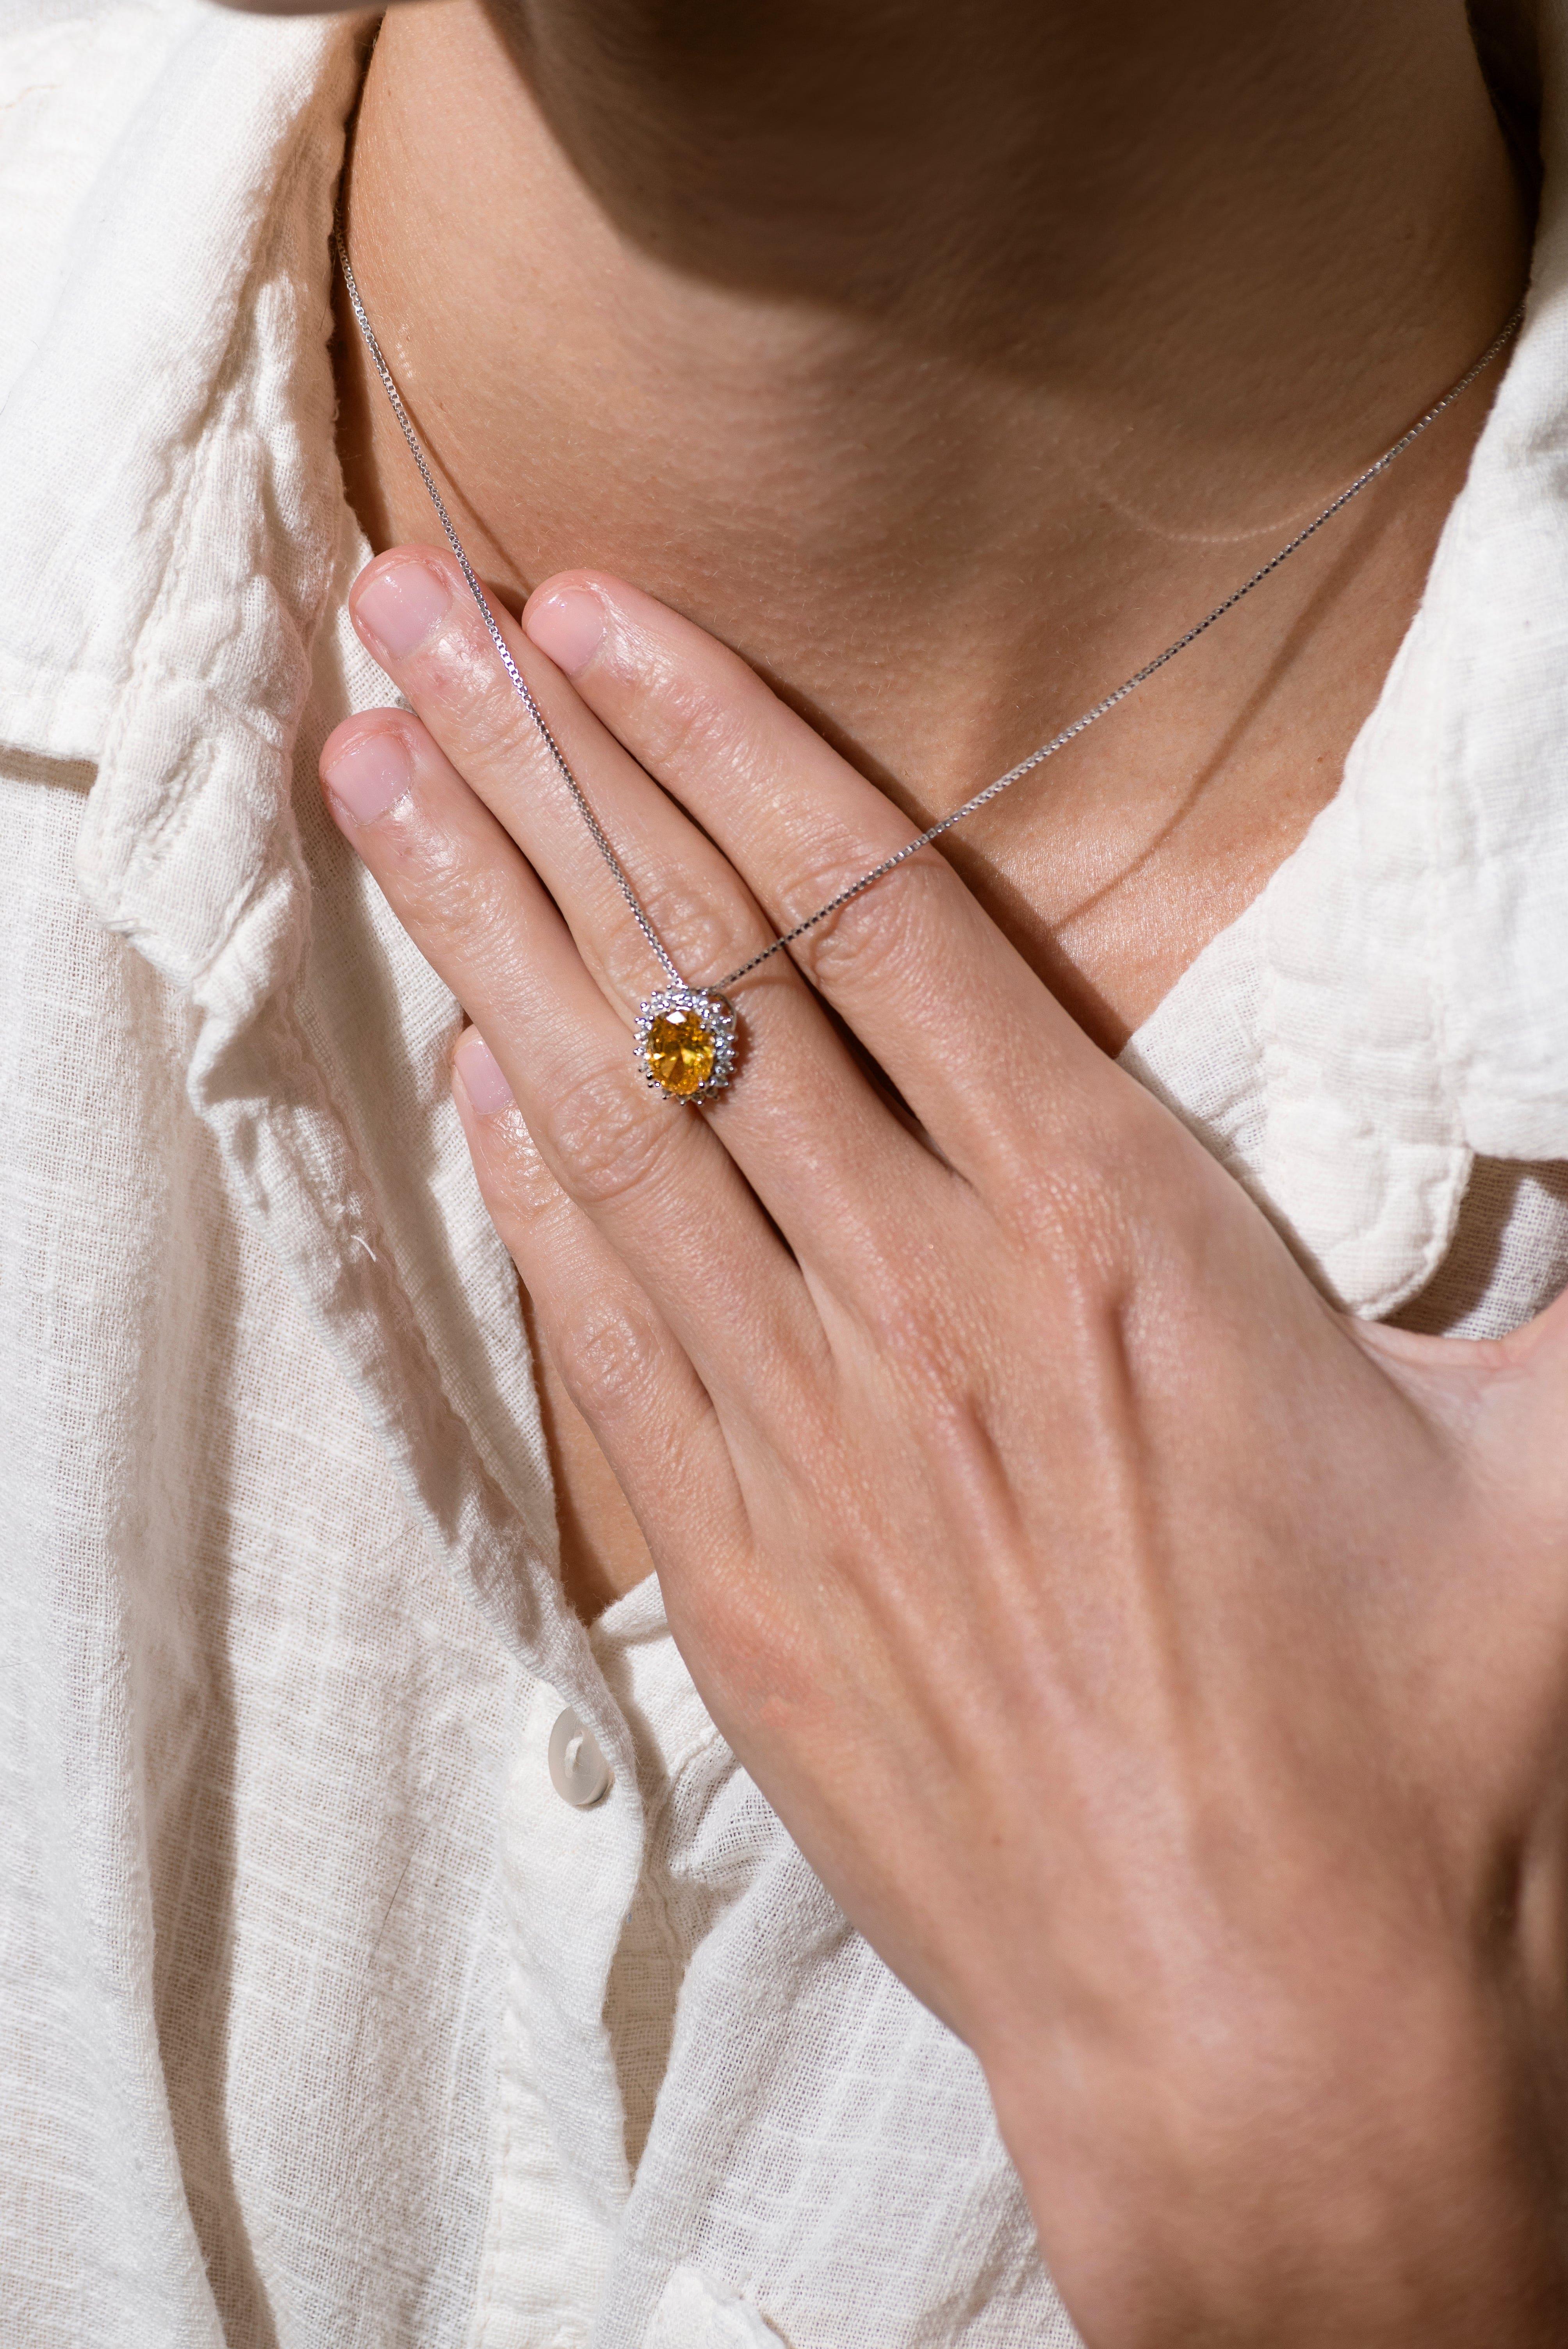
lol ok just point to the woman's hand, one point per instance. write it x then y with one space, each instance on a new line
1167 1674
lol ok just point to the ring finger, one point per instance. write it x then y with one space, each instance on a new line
636 1387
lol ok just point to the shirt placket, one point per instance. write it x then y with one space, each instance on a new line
573 1837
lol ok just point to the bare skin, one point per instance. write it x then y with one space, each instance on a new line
1194 1655
949 450
1164 1672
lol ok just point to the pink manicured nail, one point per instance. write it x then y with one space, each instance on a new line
480 1072
402 604
568 624
371 775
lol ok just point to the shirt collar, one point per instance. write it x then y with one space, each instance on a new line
174 134
1395 1001
1392 1004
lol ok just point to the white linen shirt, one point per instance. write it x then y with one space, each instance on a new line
325 2021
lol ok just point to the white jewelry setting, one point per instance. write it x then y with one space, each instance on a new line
684 1040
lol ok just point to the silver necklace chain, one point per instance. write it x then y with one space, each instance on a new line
982 798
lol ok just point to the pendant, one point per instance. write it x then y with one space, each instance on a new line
686 1042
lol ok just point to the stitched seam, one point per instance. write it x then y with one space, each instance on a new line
1435 927
661 1882
1440 975
661 1885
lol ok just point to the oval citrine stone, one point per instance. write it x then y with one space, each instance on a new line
680 1051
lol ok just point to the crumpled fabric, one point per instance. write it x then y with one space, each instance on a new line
325 2020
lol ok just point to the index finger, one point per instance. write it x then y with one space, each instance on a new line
943 1000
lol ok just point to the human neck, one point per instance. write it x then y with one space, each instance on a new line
947 362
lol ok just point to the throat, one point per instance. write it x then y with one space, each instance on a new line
948 416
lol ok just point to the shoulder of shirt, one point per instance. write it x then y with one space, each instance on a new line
72 74
144 145
51 50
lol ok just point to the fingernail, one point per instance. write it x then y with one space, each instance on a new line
402 604
567 623
371 775
479 1070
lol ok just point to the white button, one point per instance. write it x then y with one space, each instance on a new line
578 1771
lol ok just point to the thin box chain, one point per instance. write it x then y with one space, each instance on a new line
481 599
982 798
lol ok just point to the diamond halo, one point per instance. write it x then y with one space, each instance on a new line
685 1040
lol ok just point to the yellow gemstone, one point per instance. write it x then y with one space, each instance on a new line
680 1053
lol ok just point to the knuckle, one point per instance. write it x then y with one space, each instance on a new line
907 1317
882 937
477 703
1090 1211
755 1646
514 1182
685 718
610 1355
445 891
1060 1204
1079 1248
704 934
915 1339
607 1137
621 953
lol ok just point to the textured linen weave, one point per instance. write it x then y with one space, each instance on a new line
324 2021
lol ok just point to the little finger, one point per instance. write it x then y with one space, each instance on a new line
618 1359
663 1190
